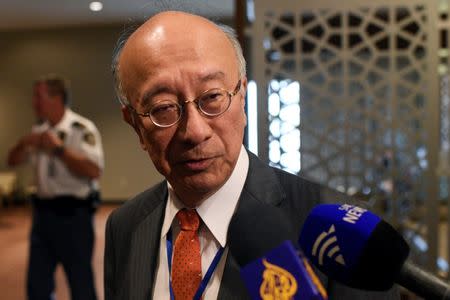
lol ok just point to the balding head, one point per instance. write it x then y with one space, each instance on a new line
183 24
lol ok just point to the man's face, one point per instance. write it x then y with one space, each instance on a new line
181 57
41 101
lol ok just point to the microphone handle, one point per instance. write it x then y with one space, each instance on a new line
423 283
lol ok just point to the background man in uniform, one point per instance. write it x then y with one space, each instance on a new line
66 151
182 82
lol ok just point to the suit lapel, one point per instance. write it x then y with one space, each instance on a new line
144 248
261 186
231 286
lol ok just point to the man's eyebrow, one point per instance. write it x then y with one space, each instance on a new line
152 92
147 96
211 76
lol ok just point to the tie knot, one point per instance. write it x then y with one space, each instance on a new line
188 219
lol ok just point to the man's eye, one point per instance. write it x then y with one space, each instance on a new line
164 108
213 96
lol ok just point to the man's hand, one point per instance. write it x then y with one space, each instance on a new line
23 147
49 141
75 161
31 140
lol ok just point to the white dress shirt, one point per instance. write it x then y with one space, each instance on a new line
215 213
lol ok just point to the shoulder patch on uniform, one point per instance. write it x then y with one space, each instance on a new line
78 125
89 138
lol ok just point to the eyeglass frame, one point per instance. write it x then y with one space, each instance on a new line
183 104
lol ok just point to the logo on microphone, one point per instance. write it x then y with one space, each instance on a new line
278 283
326 244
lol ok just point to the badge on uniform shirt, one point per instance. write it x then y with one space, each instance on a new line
61 135
78 125
89 138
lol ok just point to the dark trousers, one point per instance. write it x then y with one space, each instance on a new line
61 234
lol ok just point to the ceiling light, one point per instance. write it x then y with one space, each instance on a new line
96 6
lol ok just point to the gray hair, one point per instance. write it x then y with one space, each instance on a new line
125 35
232 37
121 41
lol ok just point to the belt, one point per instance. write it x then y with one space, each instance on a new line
63 204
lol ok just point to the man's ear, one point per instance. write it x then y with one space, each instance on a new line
129 117
243 89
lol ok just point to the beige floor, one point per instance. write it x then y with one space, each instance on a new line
15 225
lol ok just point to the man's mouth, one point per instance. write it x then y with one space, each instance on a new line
197 164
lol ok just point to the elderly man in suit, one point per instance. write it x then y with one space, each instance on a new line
181 81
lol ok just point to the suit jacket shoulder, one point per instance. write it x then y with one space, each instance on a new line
293 194
134 210
131 245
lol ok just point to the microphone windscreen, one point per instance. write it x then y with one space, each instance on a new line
353 246
384 256
260 239
256 229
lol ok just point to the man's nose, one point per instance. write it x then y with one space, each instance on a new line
194 126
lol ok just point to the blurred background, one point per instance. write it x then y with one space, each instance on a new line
352 94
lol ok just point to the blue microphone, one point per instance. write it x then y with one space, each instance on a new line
359 249
271 267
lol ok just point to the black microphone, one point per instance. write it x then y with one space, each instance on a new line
357 248
271 267
256 229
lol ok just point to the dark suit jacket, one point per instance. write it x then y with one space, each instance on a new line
133 234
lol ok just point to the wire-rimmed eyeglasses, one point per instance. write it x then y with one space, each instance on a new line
211 103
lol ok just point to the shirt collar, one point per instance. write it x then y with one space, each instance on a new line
216 211
61 124
65 119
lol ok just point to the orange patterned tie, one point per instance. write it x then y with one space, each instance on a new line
187 264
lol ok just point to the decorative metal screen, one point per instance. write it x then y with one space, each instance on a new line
352 100
443 170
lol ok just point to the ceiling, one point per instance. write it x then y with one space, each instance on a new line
27 14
